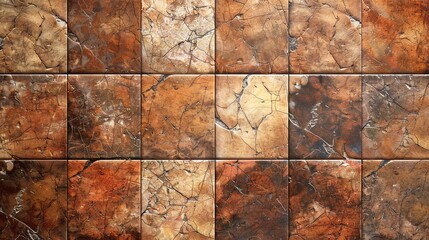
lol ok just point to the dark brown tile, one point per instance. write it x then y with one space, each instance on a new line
104 116
325 199
325 117
251 199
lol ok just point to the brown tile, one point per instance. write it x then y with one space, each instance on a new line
178 116
104 116
325 117
251 199
325 36
33 116
178 36
103 199
104 36
178 199
395 113
395 36
325 199
33 36
251 116
251 36
395 200
33 199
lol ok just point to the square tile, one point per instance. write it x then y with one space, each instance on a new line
104 116
178 116
33 117
251 116
252 199
325 116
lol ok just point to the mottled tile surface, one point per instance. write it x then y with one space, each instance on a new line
251 36
178 36
395 36
33 116
178 199
33 36
104 36
103 200
395 199
395 117
104 116
33 199
251 116
251 199
325 116
178 116
325 36
325 199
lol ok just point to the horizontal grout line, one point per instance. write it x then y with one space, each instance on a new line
213 159
221 74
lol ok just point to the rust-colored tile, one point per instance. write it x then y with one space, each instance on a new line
325 199
251 199
178 199
325 36
251 36
325 117
395 36
178 116
33 199
33 36
395 199
104 116
33 118
395 115
104 36
251 116
103 199
178 36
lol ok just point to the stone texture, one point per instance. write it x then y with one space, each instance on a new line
251 36
178 200
104 36
251 199
395 36
33 36
178 36
325 36
33 116
251 116
395 117
104 116
178 116
325 200
103 200
325 117
395 200
33 199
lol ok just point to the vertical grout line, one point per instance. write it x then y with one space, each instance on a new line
361 119
214 117
288 36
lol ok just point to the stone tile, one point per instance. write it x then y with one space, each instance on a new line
103 199
325 36
104 116
178 116
33 36
252 199
325 199
178 36
177 199
104 36
395 199
395 36
33 117
395 113
325 117
33 199
251 36
251 116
